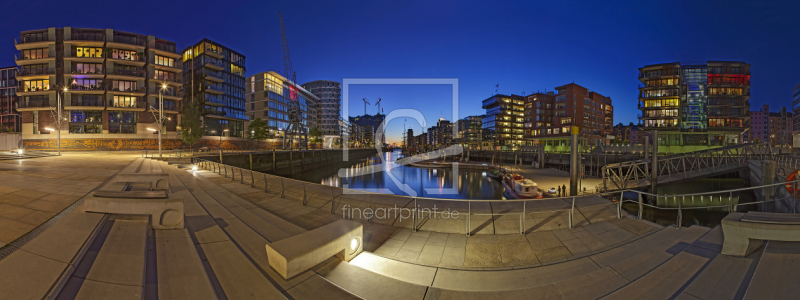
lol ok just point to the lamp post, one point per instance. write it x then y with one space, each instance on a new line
160 114
59 119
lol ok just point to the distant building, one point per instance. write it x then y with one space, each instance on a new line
702 104
796 115
504 120
774 128
441 134
470 132
9 117
409 138
329 106
370 124
549 116
630 134
270 98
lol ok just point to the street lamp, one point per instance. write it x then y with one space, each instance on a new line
59 119
160 114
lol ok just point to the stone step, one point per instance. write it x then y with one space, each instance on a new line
776 275
367 284
180 271
114 264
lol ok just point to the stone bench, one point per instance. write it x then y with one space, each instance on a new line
294 255
165 212
745 233
157 181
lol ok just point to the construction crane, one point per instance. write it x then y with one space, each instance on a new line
294 129
379 105
365 105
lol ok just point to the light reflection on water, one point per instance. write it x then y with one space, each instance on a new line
470 184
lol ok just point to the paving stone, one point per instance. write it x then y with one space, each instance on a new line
37 217
543 240
44 205
453 257
456 240
12 230
564 234
576 247
431 255
15 200
511 238
13 212
414 243
517 254
482 255
407 255
437 239
482 239
552 254
30 193
401 234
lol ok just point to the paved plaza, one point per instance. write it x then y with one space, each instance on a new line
231 217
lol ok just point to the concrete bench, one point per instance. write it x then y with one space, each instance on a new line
165 212
745 233
157 181
294 255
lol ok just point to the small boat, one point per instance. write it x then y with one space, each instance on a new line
496 175
518 187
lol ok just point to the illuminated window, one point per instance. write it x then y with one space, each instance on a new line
88 52
164 61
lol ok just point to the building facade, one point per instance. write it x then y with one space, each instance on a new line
216 77
774 128
108 82
549 116
504 120
329 106
695 105
370 124
469 132
796 116
629 134
270 97
9 117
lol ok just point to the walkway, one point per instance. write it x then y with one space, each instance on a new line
221 254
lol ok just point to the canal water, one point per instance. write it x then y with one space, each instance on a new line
434 183
692 213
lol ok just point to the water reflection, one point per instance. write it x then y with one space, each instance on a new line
469 184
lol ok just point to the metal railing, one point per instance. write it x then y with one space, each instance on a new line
514 207
95 36
37 71
86 102
127 72
94 72
165 153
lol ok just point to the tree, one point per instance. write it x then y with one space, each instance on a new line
756 141
191 126
258 130
315 135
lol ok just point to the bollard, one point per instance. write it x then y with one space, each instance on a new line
305 199
241 175
282 189
523 217
233 174
571 212
619 206
265 183
469 212
640 206
252 180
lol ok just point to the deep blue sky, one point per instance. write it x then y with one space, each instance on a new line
524 46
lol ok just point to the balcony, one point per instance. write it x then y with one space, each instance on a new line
126 42
121 73
137 105
35 41
38 73
214 53
35 90
214 100
175 68
86 73
213 76
170 94
215 65
96 39
213 89
169 107
165 49
127 58
84 104
85 57
128 91
33 105
173 80
28 60
87 89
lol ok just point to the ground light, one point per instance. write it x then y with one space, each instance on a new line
19 151
194 168
354 244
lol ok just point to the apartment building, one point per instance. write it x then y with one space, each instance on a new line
271 97
695 105
503 121
370 124
9 117
796 116
630 134
108 82
549 116
216 75
329 106
774 128
470 132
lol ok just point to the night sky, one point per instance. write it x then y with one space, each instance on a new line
523 46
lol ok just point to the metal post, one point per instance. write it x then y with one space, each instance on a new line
654 164
619 206
333 201
731 201
305 199
282 189
241 175
414 217
641 206
574 162
680 213
233 173
469 212
265 183
646 145
252 180
369 198
523 218
571 212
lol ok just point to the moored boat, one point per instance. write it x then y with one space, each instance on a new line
520 188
